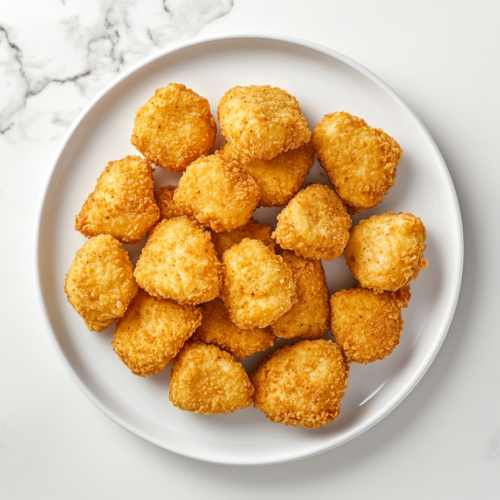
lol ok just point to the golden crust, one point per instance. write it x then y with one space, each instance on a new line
315 224
168 208
122 203
360 160
301 384
368 325
386 252
207 380
174 128
152 332
100 282
179 263
262 121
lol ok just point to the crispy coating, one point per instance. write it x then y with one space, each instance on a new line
258 286
262 121
174 128
122 203
386 252
309 318
179 263
217 328
368 325
208 380
360 160
100 282
279 179
168 208
315 224
301 384
218 193
152 332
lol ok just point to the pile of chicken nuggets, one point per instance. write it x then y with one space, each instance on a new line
213 286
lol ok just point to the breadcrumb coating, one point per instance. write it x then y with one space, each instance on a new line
122 203
100 282
168 208
360 160
301 384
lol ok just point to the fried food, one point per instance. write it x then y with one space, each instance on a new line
168 208
152 332
179 263
208 380
218 193
309 318
174 128
258 286
360 160
386 252
315 224
100 282
262 121
279 179
368 325
301 384
122 203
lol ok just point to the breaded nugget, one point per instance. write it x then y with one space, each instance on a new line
258 286
152 332
208 380
386 252
168 208
279 179
179 263
368 325
315 224
360 160
301 384
122 203
217 328
218 193
100 282
309 318
174 128
262 121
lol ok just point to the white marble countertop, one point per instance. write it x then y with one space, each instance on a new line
441 57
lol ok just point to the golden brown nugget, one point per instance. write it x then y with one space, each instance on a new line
168 208
122 203
262 121
208 380
217 328
179 263
360 160
386 252
258 286
218 193
315 224
309 318
368 325
152 332
301 384
100 282
279 179
174 128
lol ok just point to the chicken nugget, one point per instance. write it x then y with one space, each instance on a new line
168 208
179 263
386 252
301 384
152 332
208 380
258 286
100 282
360 160
262 121
368 325
315 224
122 203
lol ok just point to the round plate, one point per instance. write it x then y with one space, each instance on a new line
323 81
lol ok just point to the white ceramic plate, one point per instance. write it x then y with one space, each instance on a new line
323 81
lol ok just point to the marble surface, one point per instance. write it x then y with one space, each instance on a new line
443 441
